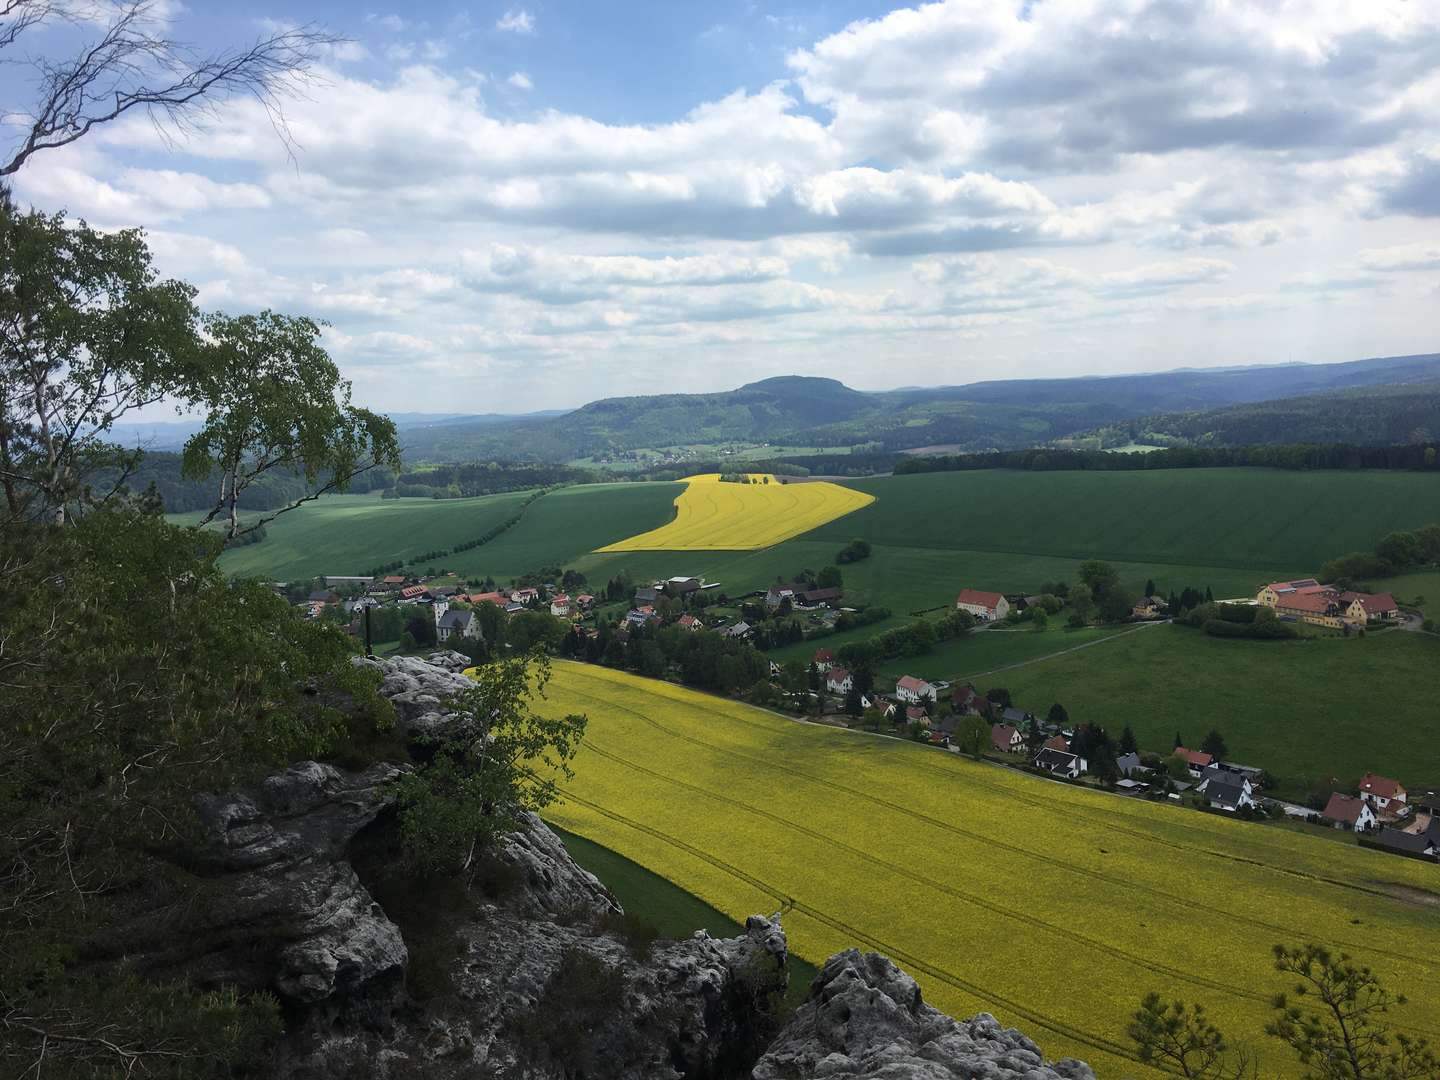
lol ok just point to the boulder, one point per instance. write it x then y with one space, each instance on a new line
418 688
864 1017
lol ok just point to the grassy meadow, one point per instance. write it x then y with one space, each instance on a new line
712 514
1306 710
997 891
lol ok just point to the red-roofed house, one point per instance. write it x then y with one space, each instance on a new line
916 715
909 688
1198 760
1346 811
689 622
560 606
500 599
823 659
1361 608
414 592
966 699
1006 737
838 680
986 606
1057 742
586 601
1382 790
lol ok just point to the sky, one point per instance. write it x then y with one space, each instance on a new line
505 207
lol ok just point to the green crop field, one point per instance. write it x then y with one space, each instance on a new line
1306 710
350 534
1423 585
986 650
1052 906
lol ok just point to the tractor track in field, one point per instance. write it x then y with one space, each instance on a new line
1152 966
1126 884
1063 652
911 961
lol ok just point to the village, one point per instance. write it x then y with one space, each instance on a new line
959 718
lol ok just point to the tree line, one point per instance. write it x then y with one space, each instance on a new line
1295 456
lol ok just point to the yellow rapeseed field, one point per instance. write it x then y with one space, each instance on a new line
711 515
1053 907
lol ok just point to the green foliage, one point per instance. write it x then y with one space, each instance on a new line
972 735
1182 1038
854 551
497 759
1337 1022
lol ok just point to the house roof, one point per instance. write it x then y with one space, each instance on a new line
1344 808
1014 716
910 682
455 620
489 598
822 656
1373 603
1282 587
837 675
1127 763
414 590
1224 792
979 597
1003 735
1398 840
1057 742
1382 786
813 595
1197 758
915 712
1056 759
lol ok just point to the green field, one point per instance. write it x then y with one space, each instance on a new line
1306 710
984 651
1407 588
350 534
996 890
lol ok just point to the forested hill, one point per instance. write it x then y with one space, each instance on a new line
804 411
1368 416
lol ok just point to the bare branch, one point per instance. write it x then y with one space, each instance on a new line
133 66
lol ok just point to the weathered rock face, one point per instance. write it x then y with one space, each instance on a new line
865 1018
418 688
295 919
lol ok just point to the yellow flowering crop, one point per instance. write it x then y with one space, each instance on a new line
711 515
1054 907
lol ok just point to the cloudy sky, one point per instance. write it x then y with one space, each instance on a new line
505 207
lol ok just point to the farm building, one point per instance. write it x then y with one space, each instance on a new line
910 688
986 606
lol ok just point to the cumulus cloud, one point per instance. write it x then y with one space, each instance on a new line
516 21
520 81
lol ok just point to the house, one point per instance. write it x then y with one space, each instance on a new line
1361 608
1006 738
909 688
885 707
1017 717
1060 763
514 607
939 738
1056 742
527 595
1218 773
560 606
1147 607
1232 794
414 594
391 582
966 699
1198 760
359 604
499 599
445 592
457 624
1346 811
323 596
778 594
739 630
689 622
1131 787
838 680
1405 843
681 586
985 606
823 660
817 597
914 714
585 601
646 596
1128 764
1382 791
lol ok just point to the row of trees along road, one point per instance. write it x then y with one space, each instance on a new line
133 675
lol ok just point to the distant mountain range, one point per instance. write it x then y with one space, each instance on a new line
804 411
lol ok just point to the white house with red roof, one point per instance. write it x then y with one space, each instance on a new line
1348 812
560 606
1006 737
910 688
1382 791
986 606
823 660
838 680
689 622
1198 760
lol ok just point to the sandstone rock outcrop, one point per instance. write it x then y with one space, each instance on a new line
865 1017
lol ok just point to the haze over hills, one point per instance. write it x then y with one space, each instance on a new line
804 411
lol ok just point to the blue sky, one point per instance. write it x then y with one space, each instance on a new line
504 207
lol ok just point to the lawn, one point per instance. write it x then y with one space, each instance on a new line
1248 519
1054 907
984 651
714 515
1422 585
351 534
1307 710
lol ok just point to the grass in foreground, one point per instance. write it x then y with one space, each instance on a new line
1306 710
1054 907
711 514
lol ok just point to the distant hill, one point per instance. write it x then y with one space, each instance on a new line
1363 416
805 411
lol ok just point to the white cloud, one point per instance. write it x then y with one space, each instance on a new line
1418 256
517 21
520 81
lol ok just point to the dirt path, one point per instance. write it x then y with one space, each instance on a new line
1062 652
